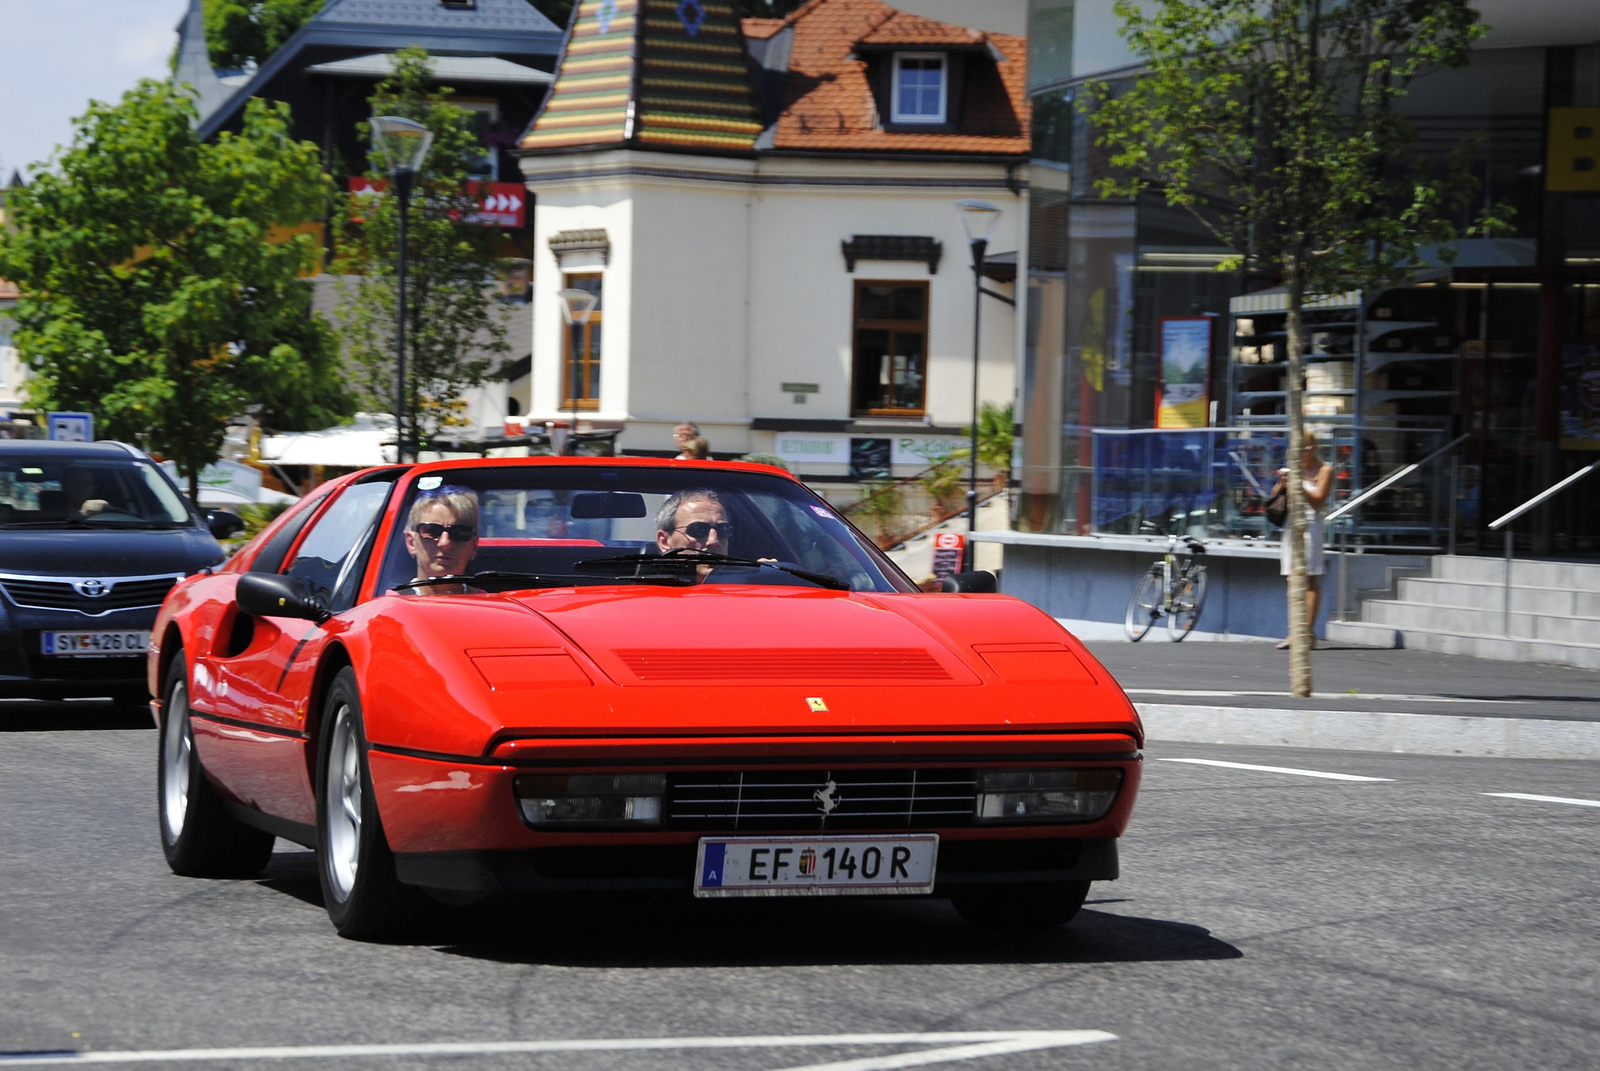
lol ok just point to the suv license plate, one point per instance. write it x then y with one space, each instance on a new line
816 866
93 644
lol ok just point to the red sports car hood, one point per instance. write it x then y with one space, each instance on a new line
454 675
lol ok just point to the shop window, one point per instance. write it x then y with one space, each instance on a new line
891 348
580 363
919 87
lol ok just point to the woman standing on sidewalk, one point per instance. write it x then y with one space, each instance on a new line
1318 485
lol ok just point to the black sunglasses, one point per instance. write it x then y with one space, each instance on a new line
432 530
699 530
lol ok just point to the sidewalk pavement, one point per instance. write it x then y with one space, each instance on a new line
1364 699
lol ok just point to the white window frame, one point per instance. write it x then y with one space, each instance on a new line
895 113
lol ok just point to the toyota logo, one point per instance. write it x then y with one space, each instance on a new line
92 589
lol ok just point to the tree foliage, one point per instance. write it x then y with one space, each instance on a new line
1276 123
161 290
242 32
455 327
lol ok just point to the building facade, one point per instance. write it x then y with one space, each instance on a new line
1503 346
766 211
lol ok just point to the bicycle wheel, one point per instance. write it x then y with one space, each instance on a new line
1144 607
1188 599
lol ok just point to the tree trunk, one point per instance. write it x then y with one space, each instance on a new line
1300 629
194 487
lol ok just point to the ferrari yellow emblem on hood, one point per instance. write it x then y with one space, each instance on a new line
816 704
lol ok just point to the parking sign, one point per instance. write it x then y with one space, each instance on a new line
72 427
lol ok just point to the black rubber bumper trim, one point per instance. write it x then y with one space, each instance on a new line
671 866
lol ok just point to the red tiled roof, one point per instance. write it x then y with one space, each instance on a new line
761 29
828 104
904 29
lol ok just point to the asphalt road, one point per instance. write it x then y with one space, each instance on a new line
1264 920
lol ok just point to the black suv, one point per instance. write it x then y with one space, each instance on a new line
92 537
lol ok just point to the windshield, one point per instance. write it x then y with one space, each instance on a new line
86 492
548 525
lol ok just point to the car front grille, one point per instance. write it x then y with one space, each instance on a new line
121 594
804 800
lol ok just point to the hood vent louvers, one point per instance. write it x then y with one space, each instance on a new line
813 666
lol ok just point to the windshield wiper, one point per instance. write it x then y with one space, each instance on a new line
685 556
549 580
62 522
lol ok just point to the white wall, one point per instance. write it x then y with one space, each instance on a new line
992 16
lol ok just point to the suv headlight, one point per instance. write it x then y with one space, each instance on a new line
591 799
1046 795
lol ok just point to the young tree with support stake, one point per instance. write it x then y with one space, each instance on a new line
163 285
1276 124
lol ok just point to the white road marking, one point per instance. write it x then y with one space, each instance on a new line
958 1045
1279 769
1201 693
1544 799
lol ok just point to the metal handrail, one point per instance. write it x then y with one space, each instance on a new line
1396 476
1549 492
1506 522
1383 485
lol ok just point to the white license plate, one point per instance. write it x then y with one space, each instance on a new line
94 644
816 866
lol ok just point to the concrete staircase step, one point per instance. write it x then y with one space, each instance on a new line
1475 620
1580 576
1486 596
1581 655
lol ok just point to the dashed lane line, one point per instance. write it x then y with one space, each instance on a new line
1544 799
1278 769
949 1047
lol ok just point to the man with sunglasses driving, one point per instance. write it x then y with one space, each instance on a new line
694 520
442 535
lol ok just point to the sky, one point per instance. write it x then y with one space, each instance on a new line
58 55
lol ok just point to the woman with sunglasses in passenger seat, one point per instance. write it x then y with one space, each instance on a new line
442 535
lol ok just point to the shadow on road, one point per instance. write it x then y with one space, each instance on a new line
45 716
674 930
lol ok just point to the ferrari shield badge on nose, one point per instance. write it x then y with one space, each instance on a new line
816 704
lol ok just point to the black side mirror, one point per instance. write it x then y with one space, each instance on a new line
977 582
223 524
275 595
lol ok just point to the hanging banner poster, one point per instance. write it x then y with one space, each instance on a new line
1183 399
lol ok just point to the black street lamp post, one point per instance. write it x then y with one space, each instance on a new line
404 145
978 219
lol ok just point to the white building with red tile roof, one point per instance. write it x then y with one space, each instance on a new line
767 209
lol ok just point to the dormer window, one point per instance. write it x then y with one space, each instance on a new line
921 81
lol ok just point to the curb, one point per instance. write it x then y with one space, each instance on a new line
1344 730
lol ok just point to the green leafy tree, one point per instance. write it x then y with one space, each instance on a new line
1276 123
455 326
163 286
241 32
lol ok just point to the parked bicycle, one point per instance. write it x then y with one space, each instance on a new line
1174 588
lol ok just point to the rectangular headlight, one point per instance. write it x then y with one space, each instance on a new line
571 800
1046 795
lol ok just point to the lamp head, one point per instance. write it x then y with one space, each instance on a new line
403 142
978 219
577 305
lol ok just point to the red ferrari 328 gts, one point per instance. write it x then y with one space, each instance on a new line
546 674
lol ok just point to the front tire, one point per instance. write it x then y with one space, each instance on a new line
1039 905
363 896
200 838
1144 606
